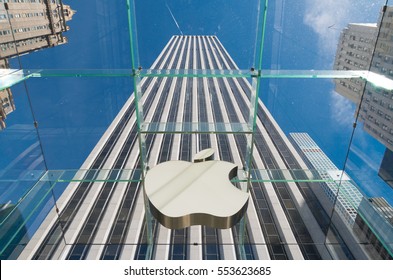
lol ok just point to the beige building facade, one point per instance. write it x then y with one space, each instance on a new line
29 25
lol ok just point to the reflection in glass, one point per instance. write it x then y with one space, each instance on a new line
7 105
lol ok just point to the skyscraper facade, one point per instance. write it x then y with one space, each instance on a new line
30 25
369 218
105 219
349 198
369 47
354 52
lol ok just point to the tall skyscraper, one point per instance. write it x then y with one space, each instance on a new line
369 47
105 219
30 25
370 219
349 197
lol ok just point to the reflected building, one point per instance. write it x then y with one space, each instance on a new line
7 106
97 219
27 26
354 52
369 47
4 64
386 168
371 219
30 25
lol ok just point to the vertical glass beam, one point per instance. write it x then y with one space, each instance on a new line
256 77
260 35
249 153
139 122
252 121
133 34
139 115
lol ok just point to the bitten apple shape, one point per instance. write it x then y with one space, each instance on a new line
181 194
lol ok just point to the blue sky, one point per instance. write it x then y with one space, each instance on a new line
74 112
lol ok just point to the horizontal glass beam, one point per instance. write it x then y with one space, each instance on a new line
93 175
10 77
196 128
196 73
134 175
289 175
310 74
190 73
17 175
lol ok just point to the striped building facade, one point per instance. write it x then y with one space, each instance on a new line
106 220
349 197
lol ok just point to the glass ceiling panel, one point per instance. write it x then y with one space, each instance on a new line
73 113
93 31
233 22
304 34
134 175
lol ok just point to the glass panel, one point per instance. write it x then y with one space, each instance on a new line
21 167
82 38
314 152
370 150
218 18
73 113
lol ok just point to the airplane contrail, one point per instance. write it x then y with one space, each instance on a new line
166 4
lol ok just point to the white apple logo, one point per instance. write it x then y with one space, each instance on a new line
181 194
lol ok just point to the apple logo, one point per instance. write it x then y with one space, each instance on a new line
181 194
